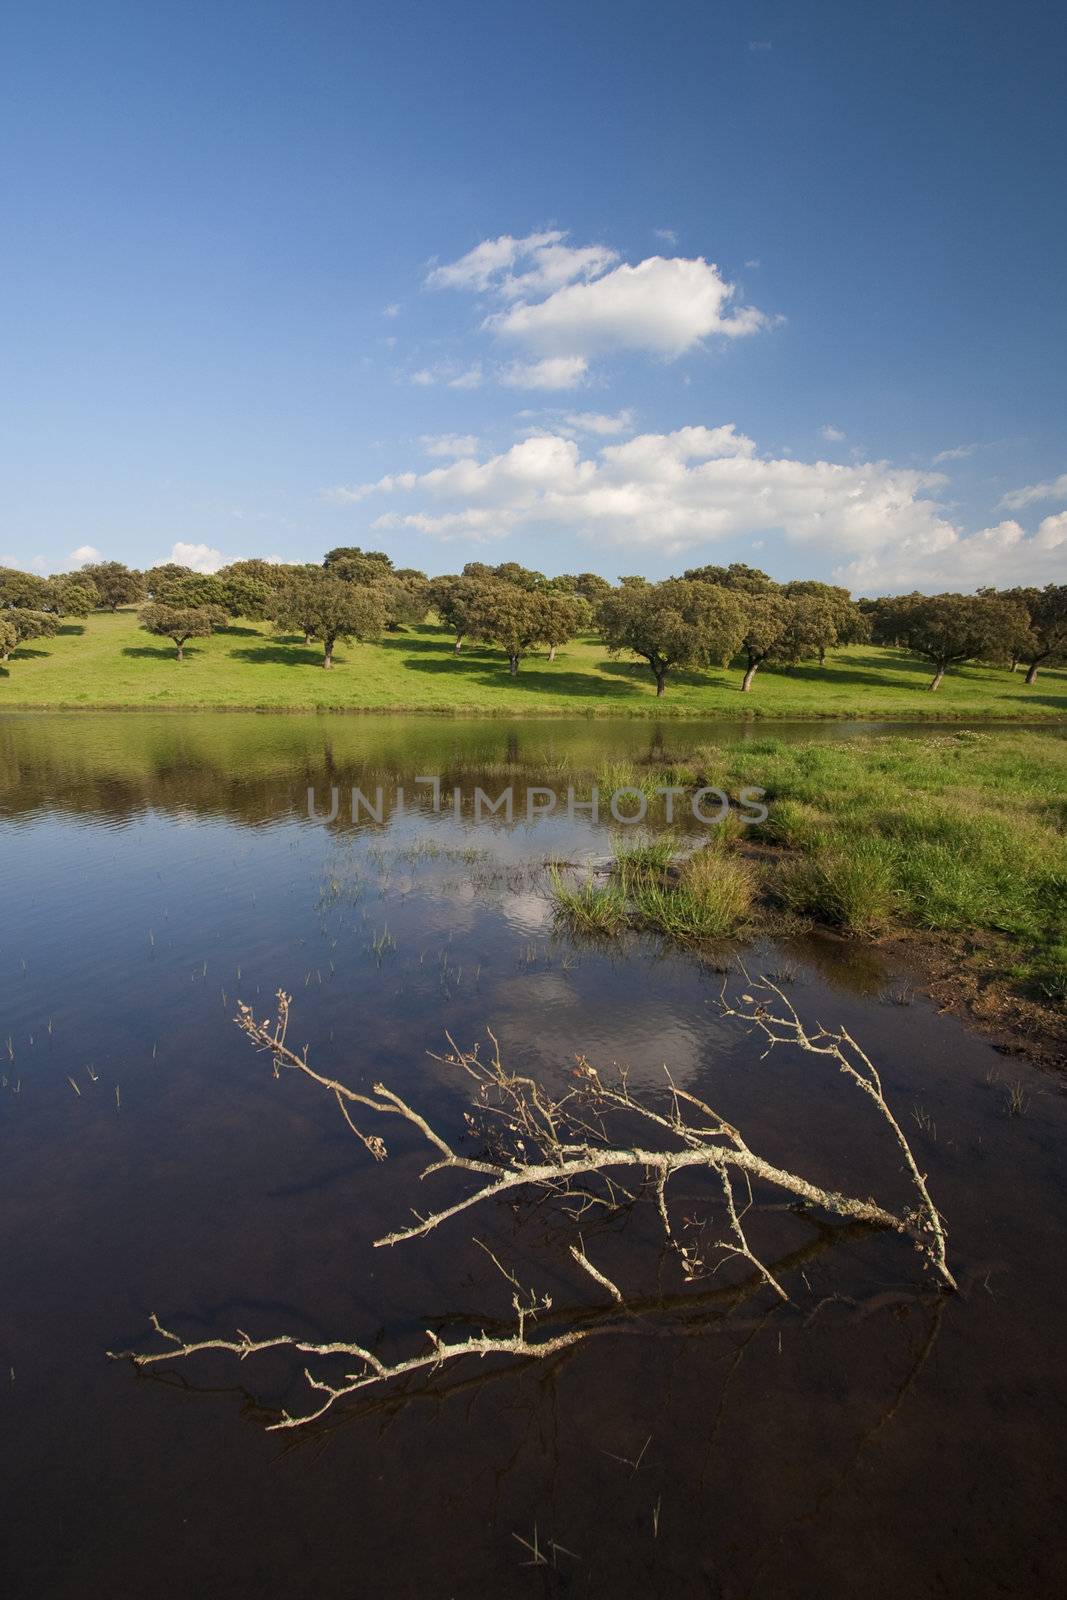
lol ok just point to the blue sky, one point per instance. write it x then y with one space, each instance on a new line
771 282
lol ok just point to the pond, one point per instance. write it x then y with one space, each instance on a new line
874 1435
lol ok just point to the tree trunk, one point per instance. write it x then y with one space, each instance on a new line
552 653
1031 676
822 655
1015 663
661 683
459 642
180 646
750 673
327 659
513 665
307 638
938 675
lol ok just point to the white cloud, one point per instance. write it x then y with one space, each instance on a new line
391 311
470 379
1019 499
959 452
570 303
599 423
555 372
673 491
548 264
448 373
83 555
662 306
200 557
1002 556
831 434
449 444
668 235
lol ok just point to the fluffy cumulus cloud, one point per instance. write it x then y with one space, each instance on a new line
662 307
876 526
84 554
1001 557
672 490
200 557
565 305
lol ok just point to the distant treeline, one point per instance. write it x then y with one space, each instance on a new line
710 616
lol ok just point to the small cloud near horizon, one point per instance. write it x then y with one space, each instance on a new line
84 554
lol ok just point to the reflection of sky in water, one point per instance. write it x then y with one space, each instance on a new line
144 897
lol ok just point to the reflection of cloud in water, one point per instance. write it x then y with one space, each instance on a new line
550 1015
529 912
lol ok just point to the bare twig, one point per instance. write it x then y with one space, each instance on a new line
565 1146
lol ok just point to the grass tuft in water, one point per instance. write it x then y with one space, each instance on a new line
643 858
711 898
589 906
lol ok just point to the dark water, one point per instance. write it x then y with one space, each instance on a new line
155 869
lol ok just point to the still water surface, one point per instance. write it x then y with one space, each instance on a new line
155 869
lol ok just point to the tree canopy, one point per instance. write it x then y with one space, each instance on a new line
1047 642
948 629
23 589
182 623
70 595
328 608
453 597
518 618
736 576
116 584
677 623
21 624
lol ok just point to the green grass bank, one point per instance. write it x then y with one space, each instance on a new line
957 840
109 662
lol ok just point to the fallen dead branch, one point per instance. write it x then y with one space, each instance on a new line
571 1148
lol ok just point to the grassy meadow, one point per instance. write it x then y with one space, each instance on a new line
109 661
959 836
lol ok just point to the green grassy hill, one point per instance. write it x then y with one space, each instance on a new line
109 661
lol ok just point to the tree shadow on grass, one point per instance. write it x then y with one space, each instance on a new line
25 652
639 674
71 627
285 655
833 673
1058 702
492 670
233 631
442 646
156 652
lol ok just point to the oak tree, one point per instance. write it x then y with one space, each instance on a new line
328 608
677 623
181 623
116 584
